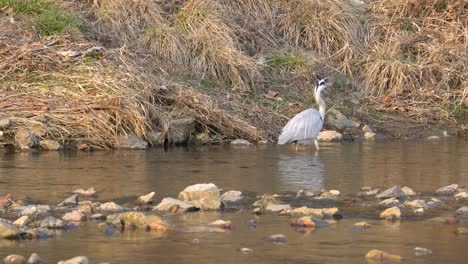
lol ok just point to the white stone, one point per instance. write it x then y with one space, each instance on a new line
329 136
148 198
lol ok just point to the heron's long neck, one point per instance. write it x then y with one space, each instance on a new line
321 103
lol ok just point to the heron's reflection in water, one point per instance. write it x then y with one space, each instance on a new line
300 171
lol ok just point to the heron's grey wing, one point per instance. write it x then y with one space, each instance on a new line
305 125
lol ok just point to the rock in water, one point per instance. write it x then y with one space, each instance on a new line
89 192
222 224
461 195
394 192
205 196
379 255
420 251
462 231
70 201
75 260
369 135
22 221
7 230
276 208
175 206
232 197
408 191
391 213
139 220
462 210
416 204
52 222
329 136
48 144
278 239
390 202
110 207
14 259
147 199
130 142
447 190
240 142
35 259
74 216
26 139
363 225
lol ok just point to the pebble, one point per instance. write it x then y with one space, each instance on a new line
416 204
14 259
462 210
419 211
35 259
70 201
379 255
222 224
52 222
74 216
89 192
363 225
461 195
246 250
390 202
240 142
232 196
22 221
434 202
303 193
408 191
420 251
110 207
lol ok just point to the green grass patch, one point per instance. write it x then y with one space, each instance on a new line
26 6
290 61
53 21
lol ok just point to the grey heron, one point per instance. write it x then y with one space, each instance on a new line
307 124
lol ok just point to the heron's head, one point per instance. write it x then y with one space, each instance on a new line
322 84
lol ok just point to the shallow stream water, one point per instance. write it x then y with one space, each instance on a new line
122 176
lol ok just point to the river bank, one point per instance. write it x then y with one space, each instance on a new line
91 76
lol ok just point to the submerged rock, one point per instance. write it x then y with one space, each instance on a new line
329 136
310 221
265 200
419 211
75 260
394 192
222 224
8 230
278 239
447 190
147 199
130 142
48 144
420 251
139 220
277 208
379 255
462 231
434 202
391 213
240 142
246 250
363 225
175 206
205 196
232 197
25 139
14 259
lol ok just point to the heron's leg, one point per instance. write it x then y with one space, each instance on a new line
316 144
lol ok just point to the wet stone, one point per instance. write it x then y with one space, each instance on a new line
419 211
175 206
34 209
390 202
461 195
329 136
52 222
75 260
368 193
434 202
89 192
394 192
379 255
461 231
304 193
240 142
147 199
14 259
204 196
8 230
70 201
51 145
25 139
98 217
462 210
130 142
110 207
35 259
278 239
408 191
246 250
447 190
416 204
276 208
22 221
222 224
393 213
74 216
363 225
232 196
